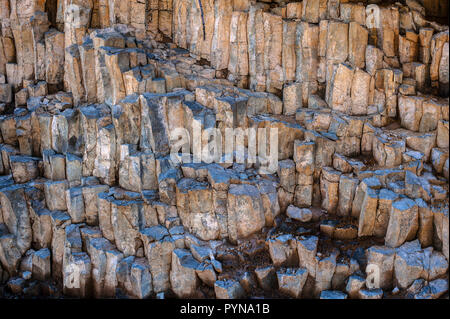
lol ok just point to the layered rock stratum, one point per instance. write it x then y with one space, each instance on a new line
93 205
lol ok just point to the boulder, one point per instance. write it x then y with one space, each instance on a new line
183 277
291 281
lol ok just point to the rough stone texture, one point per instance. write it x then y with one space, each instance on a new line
291 281
245 215
93 194
403 222
228 289
183 278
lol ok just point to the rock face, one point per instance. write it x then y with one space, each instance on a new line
245 215
118 175
183 277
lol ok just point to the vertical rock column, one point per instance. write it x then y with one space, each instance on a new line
7 56
338 74
28 22
77 17
165 17
137 17
180 16
201 28
255 25
54 63
220 45
238 63
306 47
288 51
304 163
439 63
273 39
151 18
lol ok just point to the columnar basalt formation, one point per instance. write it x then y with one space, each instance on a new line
92 204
